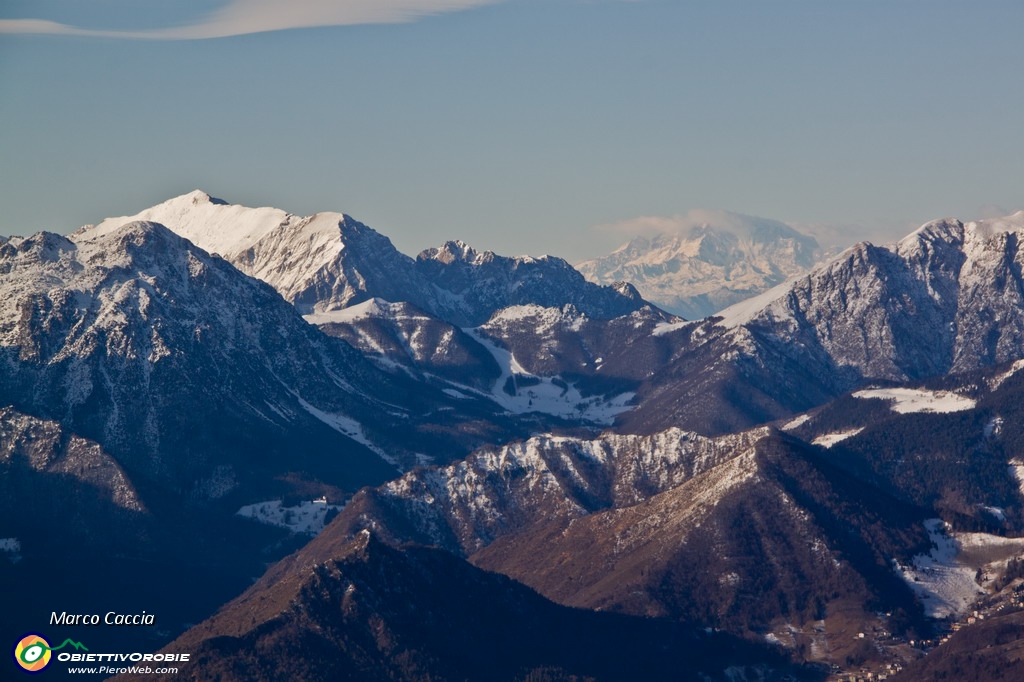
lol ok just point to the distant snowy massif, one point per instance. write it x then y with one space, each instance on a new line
698 270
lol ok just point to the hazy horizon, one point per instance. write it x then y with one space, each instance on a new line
521 127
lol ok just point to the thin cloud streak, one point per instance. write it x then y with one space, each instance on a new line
242 17
648 226
830 236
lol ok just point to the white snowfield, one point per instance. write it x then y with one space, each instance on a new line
215 227
663 328
796 422
284 250
909 400
944 579
997 381
374 307
369 309
306 517
745 311
565 317
829 439
545 395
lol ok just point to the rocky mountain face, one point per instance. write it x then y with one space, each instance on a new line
152 390
828 516
452 315
697 271
402 333
125 335
188 372
948 444
945 299
500 491
534 362
330 261
56 486
829 519
475 285
437 617
673 525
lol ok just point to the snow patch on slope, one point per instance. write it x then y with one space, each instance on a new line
997 381
360 311
797 422
745 311
829 439
306 517
909 400
543 394
663 328
944 585
566 317
348 427
944 579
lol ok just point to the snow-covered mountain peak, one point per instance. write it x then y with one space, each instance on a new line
951 229
40 247
120 284
1010 223
319 262
47 260
627 290
705 262
136 232
329 261
945 230
946 298
459 252
138 246
943 248
198 196
975 239
213 224
456 250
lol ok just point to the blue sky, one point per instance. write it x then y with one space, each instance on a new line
523 126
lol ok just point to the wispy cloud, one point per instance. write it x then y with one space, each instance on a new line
828 235
648 226
990 211
258 16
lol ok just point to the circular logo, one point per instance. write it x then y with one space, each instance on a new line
32 653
